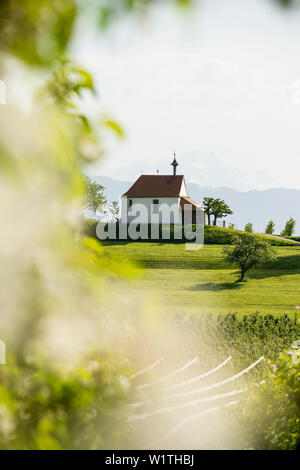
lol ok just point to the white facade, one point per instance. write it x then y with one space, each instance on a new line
148 211
154 209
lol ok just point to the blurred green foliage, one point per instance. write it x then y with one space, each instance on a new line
109 10
36 32
47 408
57 315
65 383
66 84
271 415
286 3
40 32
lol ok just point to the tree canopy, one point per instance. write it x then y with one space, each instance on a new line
216 208
249 227
249 252
270 227
289 228
96 200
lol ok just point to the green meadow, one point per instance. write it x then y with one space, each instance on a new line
201 281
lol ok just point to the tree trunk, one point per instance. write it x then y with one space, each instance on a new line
215 220
242 276
208 219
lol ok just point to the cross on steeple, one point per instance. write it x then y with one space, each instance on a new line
174 164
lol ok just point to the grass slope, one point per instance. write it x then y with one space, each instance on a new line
213 235
200 281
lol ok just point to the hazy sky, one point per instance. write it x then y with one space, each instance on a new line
221 85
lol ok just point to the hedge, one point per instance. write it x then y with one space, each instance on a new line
213 235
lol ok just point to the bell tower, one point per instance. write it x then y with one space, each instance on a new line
174 164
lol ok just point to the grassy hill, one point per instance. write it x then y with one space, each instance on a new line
201 281
213 235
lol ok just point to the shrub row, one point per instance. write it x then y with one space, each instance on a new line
244 338
213 235
296 239
268 417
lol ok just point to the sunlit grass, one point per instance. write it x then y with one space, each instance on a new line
201 281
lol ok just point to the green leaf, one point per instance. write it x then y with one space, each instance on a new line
115 127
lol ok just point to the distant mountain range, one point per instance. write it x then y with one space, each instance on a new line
253 206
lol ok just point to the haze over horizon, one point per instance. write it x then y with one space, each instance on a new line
221 85
123 179
256 206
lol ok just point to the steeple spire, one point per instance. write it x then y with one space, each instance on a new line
174 164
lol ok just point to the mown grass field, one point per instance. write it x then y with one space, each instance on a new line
201 281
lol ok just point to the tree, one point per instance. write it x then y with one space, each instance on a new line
231 226
289 228
208 205
216 207
114 209
220 209
270 227
249 227
248 252
96 199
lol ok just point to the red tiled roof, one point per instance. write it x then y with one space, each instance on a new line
187 200
156 185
